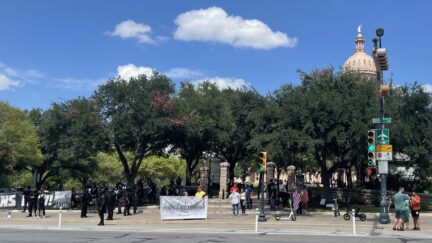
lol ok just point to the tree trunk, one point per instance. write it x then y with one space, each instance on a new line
325 180
349 176
125 164
231 173
188 181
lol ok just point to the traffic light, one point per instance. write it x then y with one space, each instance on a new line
262 161
371 149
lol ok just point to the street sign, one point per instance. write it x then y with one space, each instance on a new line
380 156
383 167
384 148
382 136
381 120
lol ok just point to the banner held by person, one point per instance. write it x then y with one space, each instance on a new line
183 207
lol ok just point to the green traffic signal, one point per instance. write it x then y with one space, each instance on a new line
371 147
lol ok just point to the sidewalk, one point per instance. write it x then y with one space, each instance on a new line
149 221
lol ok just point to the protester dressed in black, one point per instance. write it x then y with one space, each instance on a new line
101 203
26 194
31 202
86 198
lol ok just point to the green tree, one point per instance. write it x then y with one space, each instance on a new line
71 134
19 143
233 141
136 113
337 109
411 109
163 170
201 114
277 129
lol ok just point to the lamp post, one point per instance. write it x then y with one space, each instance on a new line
380 57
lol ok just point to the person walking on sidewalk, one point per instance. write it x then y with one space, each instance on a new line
235 199
242 201
399 202
297 201
415 210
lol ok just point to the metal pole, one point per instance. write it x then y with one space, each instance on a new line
262 214
384 217
256 220
60 217
354 219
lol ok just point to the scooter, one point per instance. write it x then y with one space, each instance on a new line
348 214
286 217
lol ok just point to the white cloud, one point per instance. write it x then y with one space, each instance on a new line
224 83
77 84
131 29
177 73
214 24
128 71
427 88
7 83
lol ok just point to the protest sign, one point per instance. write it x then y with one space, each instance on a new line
183 207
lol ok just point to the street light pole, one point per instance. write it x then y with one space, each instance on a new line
384 217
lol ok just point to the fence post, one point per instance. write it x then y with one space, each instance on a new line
60 217
354 219
256 220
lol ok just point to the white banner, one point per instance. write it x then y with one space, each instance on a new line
62 199
183 207
48 199
7 200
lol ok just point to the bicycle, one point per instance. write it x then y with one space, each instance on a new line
348 214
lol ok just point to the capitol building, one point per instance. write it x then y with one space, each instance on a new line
360 62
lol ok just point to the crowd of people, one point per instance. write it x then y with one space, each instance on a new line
277 194
107 200
34 201
127 197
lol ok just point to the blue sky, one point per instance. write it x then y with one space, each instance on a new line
52 51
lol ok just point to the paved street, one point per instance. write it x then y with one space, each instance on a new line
147 227
67 236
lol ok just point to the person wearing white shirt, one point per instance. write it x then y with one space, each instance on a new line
235 200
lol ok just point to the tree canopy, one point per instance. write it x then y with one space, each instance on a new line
19 143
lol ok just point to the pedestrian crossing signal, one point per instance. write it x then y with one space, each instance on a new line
262 161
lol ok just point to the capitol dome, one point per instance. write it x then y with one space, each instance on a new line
360 62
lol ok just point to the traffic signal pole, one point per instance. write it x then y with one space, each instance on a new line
384 217
261 217
262 167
